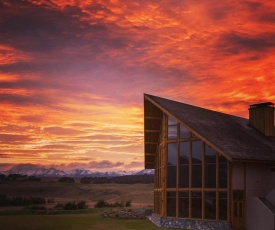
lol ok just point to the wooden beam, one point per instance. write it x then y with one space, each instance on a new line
151 143
153 118
151 130
150 154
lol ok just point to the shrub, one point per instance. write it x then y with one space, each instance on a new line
128 203
39 207
118 204
58 206
102 204
105 204
50 201
82 205
20 201
72 205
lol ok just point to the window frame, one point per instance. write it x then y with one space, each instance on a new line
217 190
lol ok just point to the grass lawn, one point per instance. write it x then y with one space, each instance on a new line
86 221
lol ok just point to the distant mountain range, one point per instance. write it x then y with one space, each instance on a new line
53 172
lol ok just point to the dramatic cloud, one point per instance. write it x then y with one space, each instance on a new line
73 73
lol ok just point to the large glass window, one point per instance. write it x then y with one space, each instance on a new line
222 172
197 164
184 204
196 182
172 129
210 205
222 206
210 167
184 164
196 205
172 165
171 203
184 132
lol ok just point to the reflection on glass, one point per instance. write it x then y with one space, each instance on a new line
184 176
196 205
210 167
184 132
222 172
172 129
184 164
172 165
210 175
171 204
184 204
210 154
171 121
197 152
197 164
223 206
196 176
184 152
172 154
172 176
172 132
210 205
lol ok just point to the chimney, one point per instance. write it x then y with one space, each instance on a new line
261 117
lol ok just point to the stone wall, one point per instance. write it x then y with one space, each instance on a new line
189 224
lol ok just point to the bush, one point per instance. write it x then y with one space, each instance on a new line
82 205
58 206
102 204
2 177
20 201
39 207
105 204
72 205
50 201
118 204
128 203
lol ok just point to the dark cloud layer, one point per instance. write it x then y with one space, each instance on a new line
235 43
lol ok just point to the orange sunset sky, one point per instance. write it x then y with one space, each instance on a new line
73 73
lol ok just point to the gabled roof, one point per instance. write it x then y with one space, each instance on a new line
230 135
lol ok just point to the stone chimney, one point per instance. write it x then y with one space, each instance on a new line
261 117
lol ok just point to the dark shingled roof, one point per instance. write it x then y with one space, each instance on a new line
230 135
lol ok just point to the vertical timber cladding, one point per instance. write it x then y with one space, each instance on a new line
159 195
153 118
152 126
196 176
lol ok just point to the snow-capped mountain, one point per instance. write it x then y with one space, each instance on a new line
145 172
35 171
31 170
78 173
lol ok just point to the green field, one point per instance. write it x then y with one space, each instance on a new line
70 222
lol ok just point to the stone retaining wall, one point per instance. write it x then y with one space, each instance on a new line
189 224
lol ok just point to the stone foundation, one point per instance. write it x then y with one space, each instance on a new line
189 224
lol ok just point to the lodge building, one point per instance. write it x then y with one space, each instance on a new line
212 170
